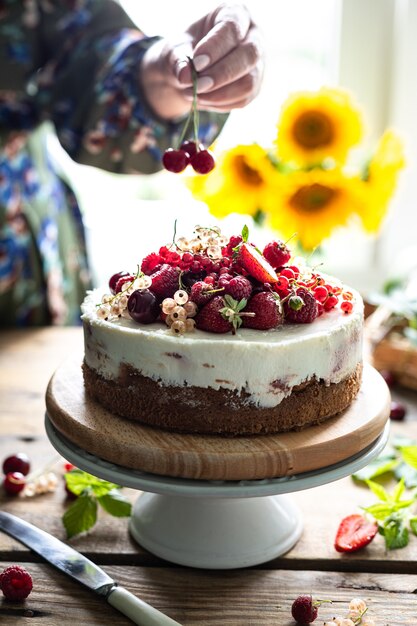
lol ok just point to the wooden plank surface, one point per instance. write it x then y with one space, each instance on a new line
113 438
197 598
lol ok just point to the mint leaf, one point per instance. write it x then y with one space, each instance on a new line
413 525
115 503
80 516
79 481
379 511
395 533
398 491
245 233
379 466
409 454
378 490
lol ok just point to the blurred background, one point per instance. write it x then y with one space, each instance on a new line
366 46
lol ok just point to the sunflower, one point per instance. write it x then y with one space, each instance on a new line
381 180
318 125
238 183
312 204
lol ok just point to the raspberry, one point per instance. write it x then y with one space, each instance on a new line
301 308
210 318
267 312
239 288
201 293
165 282
303 610
16 583
277 253
150 263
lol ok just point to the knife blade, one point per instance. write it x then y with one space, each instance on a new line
83 571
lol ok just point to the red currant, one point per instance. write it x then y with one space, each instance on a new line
346 306
175 160
17 463
288 273
321 293
13 483
202 162
330 303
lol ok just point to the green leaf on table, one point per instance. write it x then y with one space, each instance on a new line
81 515
409 455
375 468
378 490
413 525
398 491
115 503
395 532
407 473
79 481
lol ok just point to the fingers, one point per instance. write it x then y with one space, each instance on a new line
231 96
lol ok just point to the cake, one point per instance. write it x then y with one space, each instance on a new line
213 336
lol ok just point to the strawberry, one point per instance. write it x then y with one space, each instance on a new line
266 309
165 282
277 253
238 287
301 308
256 265
354 532
211 319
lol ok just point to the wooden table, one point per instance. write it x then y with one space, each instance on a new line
258 595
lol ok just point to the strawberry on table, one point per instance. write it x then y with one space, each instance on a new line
266 311
354 533
256 265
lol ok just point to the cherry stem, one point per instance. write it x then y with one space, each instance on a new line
194 106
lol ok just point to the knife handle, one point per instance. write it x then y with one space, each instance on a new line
139 611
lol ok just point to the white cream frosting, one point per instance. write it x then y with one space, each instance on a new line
264 364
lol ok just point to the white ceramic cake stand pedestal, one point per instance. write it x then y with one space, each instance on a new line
214 524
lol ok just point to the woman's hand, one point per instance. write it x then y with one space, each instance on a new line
227 54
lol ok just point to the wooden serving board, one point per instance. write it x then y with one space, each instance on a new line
132 445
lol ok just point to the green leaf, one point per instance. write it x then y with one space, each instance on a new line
241 304
80 516
379 511
231 302
245 233
413 525
407 473
116 504
79 481
378 490
398 491
409 454
379 466
395 533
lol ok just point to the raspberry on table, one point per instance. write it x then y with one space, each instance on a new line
16 583
277 253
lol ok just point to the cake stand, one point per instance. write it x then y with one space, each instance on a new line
187 513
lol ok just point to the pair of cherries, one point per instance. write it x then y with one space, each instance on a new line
200 159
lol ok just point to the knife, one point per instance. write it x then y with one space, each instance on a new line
83 570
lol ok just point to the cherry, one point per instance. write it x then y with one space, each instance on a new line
202 162
128 278
398 411
143 306
17 463
13 483
114 279
189 147
175 160
188 278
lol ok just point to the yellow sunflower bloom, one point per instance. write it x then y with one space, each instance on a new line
317 125
238 183
312 204
381 180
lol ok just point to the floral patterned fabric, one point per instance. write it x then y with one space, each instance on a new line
73 63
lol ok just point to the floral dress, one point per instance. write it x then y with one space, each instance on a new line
72 63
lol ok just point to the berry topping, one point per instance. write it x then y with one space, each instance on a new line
16 583
14 483
304 610
266 309
17 463
143 306
165 282
211 319
256 265
150 263
277 253
354 532
124 282
202 162
188 278
175 160
398 411
301 308
189 147
201 293
113 281
238 287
